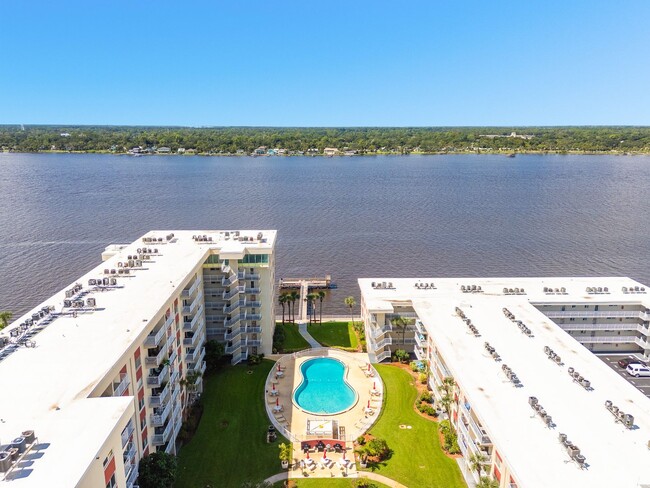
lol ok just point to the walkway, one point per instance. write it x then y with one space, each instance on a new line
362 474
302 328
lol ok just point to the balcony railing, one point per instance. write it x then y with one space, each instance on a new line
189 309
189 292
129 452
232 349
229 309
233 334
225 267
383 355
420 340
252 290
627 314
253 304
231 322
161 439
386 341
228 295
253 316
157 359
605 339
161 398
171 340
253 342
192 341
173 356
158 419
157 379
122 385
252 329
126 433
197 318
228 280
614 326
132 476
175 393
177 413
154 339
376 333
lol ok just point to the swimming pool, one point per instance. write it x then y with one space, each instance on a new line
323 389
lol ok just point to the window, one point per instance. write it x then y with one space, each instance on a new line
138 362
108 458
111 483
140 404
255 259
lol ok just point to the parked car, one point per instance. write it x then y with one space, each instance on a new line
638 370
625 362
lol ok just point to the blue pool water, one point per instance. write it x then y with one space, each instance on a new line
323 389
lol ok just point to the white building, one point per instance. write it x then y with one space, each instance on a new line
512 345
95 371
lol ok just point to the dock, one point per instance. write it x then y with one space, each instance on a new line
306 284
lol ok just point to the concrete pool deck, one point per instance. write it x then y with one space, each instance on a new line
348 425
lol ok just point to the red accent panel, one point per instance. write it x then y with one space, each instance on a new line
109 471
144 434
141 394
138 373
146 452
168 312
455 416
143 417
137 353
177 319
497 473
123 370
498 457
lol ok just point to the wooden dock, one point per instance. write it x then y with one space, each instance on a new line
306 284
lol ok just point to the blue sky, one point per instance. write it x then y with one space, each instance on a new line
325 63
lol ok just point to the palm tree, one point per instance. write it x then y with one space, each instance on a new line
321 295
477 462
350 302
311 301
283 299
447 388
293 297
401 323
5 317
487 482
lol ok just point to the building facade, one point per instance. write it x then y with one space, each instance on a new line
101 372
509 345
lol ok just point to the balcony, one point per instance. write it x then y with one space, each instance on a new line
154 361
193 340
229 309
177 413
606 339
154 338
386 341
625 314
160 398
127 432
420 353
609 327
231 322
189 292
233 334
253 316
173 356
191 325
129 453
225 268
175 394
253 329
383 355
160 415
232 349
229 280
120 388
253 304
376 333
229 295
191 308
171 341
642 342
160 439
132 476
252 290
174 378
420 340
156 379
253 342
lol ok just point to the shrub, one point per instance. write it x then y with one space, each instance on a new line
364 483
361 440
422 377
157 470
450 439
414 366
379 449
401 355
426 396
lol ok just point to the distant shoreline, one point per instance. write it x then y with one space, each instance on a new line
378 153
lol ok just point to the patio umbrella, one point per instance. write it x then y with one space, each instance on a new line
277 402
325 454
343 454
368 403
373 386
307 454
273 386
368 366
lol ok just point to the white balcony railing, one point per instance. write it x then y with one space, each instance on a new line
157 379
126 433
121 387
161 398
158 419
383 355
626 314
193 323
605 339
157 359
189 292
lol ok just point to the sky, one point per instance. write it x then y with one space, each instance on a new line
325 63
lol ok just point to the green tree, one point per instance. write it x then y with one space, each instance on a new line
321 295
311 302
5 317
214 351
477 462
283 299
401 355
350 302
487 482
157 470
294 296
402 324
447 389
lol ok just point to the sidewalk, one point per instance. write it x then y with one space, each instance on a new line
302 328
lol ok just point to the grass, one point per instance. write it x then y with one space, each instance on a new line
229 446
334 334
293 341
417 458
328 483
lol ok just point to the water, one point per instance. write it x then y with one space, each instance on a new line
323 389
386 216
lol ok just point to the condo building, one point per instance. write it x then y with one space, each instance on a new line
529 393
99 375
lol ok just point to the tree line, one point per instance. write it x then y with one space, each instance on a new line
362 140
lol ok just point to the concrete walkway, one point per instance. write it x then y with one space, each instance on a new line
302 328
361 474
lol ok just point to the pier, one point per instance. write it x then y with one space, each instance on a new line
306 284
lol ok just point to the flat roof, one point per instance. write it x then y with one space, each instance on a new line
615 456
74 353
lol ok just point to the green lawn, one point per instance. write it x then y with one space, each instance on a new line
328 483
332 334
293 341
417 459
229 446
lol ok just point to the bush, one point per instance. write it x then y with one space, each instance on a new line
157 470
401 355
427 409
422 377
450 439
364 483
414 366
378 448
426 396
361 440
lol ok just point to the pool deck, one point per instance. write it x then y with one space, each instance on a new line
292 420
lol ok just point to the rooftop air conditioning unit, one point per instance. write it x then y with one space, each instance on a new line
113 271
119 264
505 290
92 282
29 436
105 281
608 404
628 420
126 271
563 290
91 302
390 284
606 290
624 289
67 303
113 281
